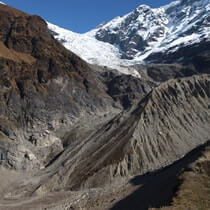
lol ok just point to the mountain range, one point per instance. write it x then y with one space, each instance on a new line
116 118
142 35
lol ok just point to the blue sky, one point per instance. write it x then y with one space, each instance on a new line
80 15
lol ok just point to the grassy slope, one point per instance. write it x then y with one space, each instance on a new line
193 191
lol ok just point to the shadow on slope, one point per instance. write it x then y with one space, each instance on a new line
157 189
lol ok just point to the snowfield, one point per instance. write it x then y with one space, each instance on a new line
163 29
92 50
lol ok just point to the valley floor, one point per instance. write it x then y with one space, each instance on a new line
183 185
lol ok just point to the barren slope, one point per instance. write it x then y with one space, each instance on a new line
170 121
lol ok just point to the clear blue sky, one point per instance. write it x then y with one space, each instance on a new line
80 15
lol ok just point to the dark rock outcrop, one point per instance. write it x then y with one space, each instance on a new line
195 53
127 89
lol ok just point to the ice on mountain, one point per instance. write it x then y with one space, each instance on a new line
163 29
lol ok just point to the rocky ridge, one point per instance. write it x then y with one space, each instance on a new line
134 142
160 130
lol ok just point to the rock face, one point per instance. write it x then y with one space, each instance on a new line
195 53
127 90
44 90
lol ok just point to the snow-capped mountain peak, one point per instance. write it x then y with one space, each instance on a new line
2 3
134 37
147 29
